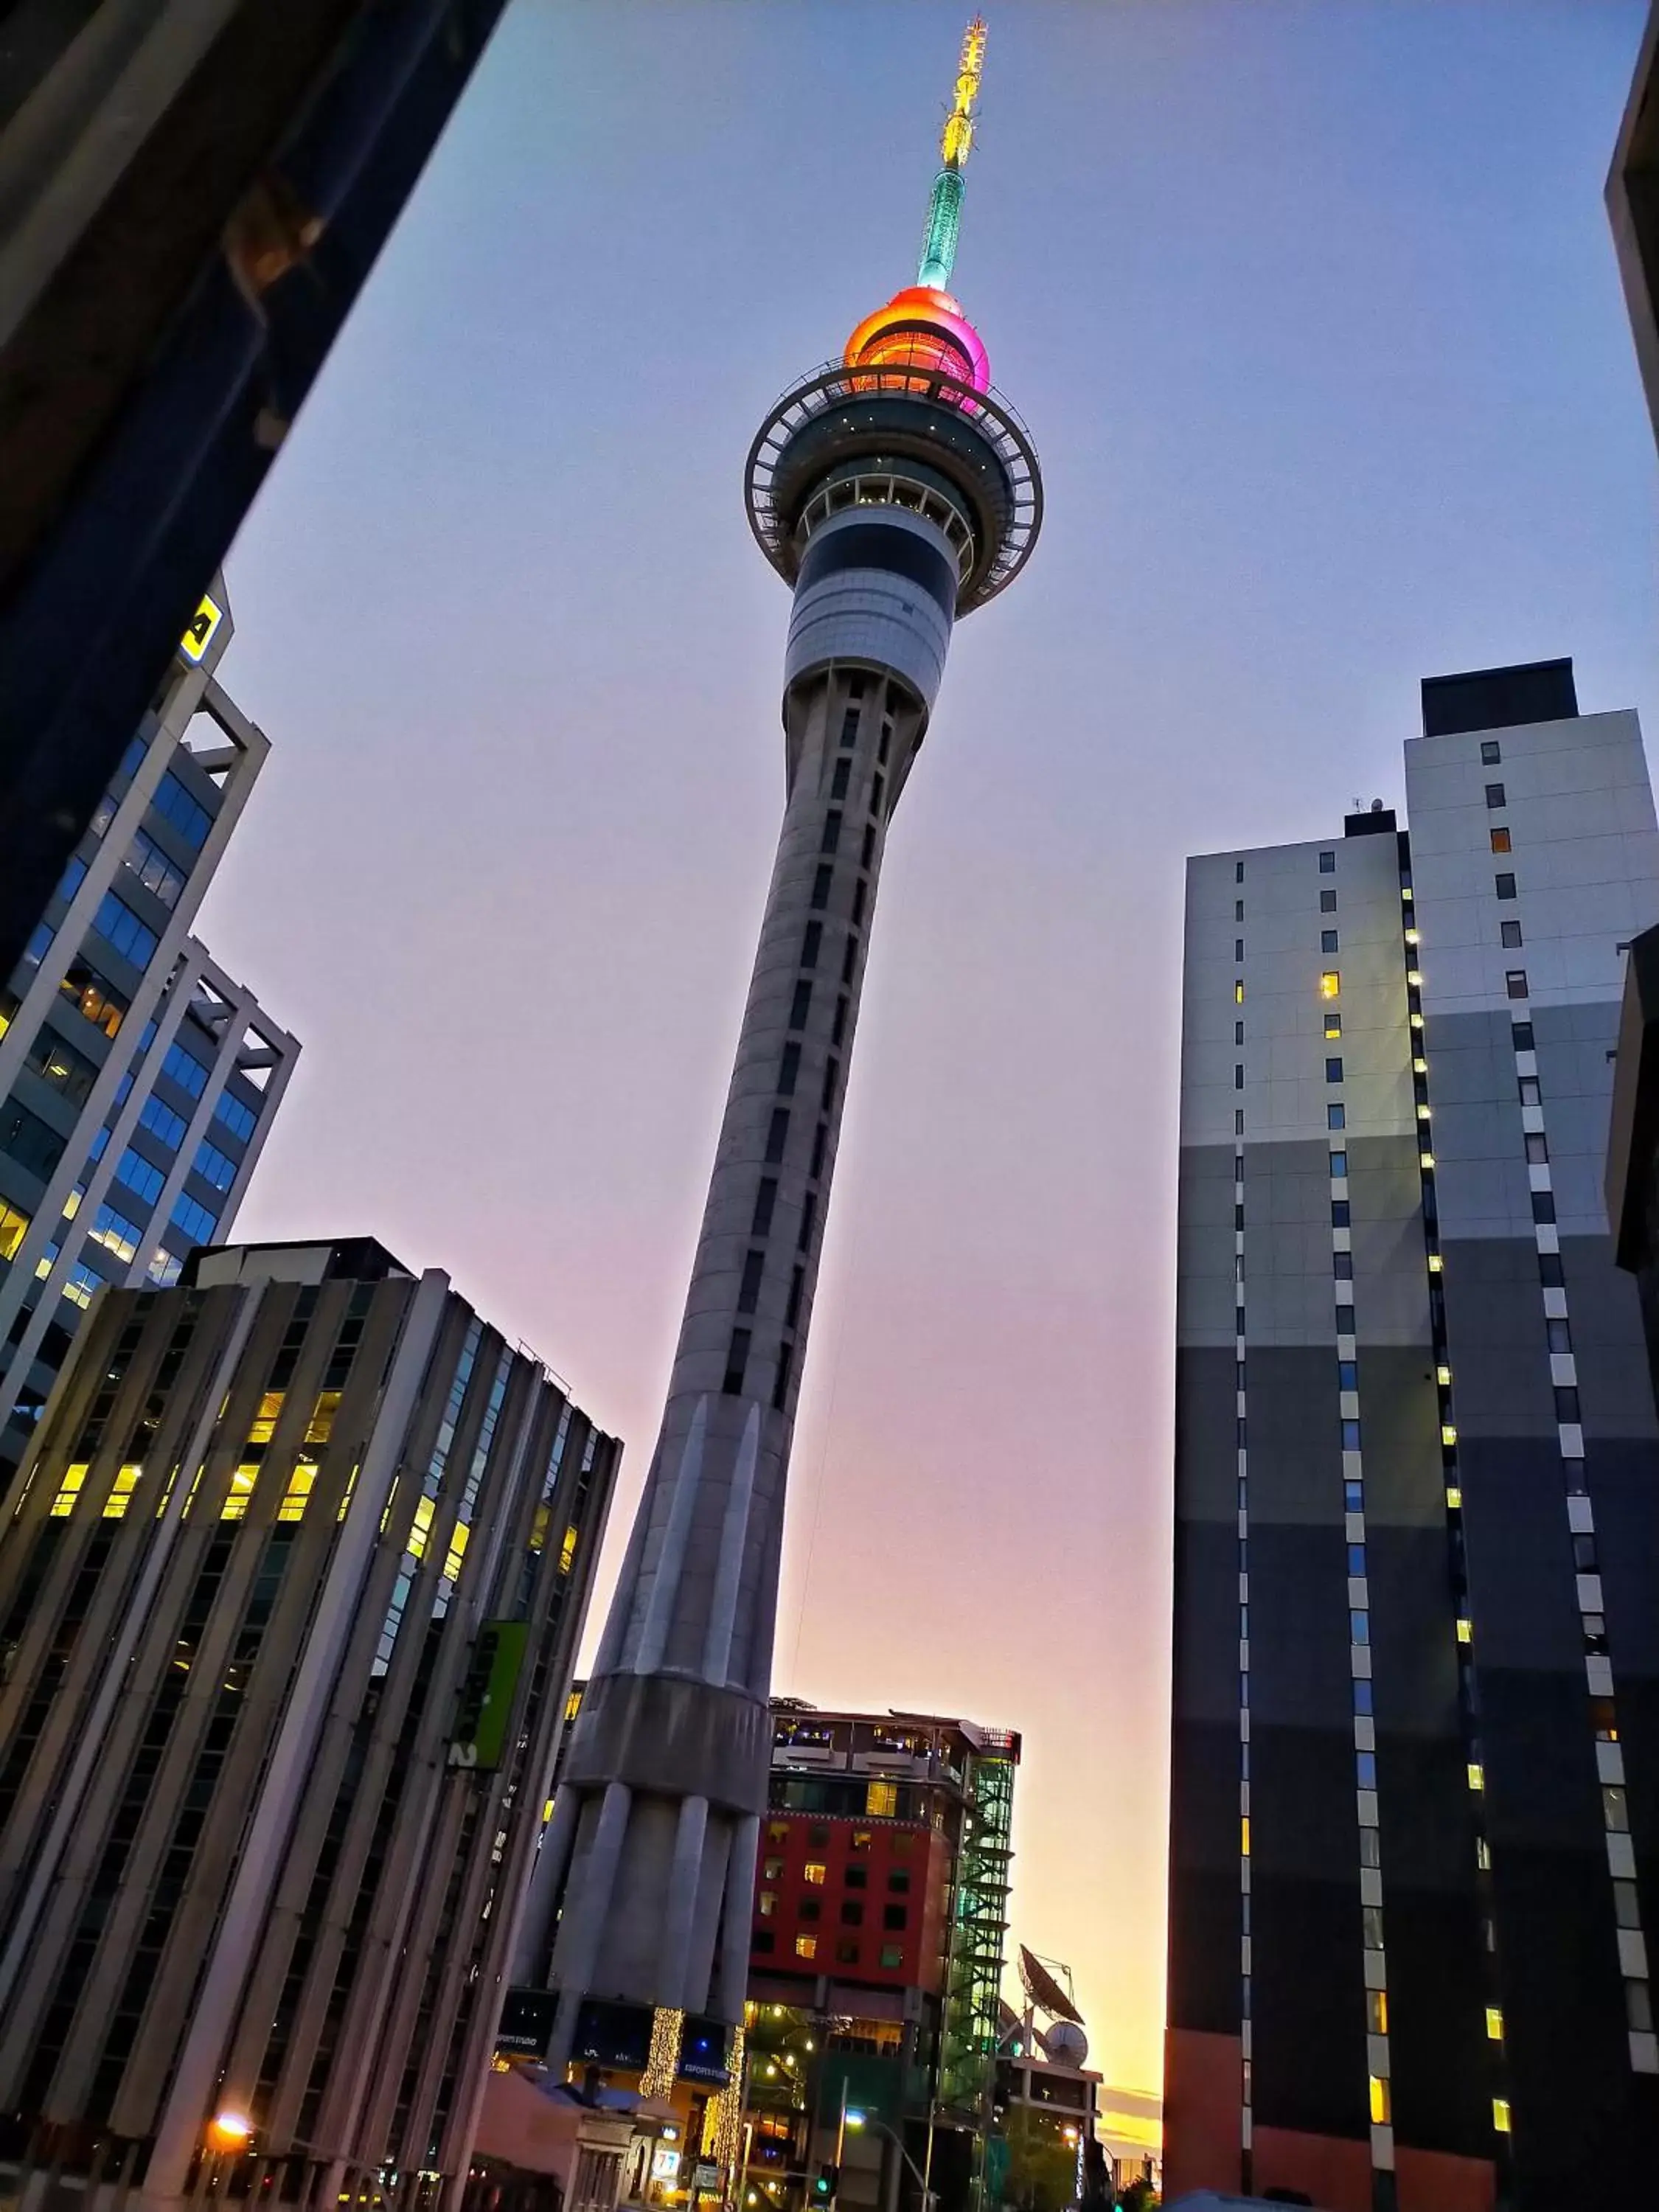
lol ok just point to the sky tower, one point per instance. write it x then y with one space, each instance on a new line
894 491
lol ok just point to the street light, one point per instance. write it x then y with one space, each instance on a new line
857 2119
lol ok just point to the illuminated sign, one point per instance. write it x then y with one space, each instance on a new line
204 628
487 1695
665 2163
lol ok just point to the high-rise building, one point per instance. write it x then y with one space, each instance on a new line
1415 1850
137 1080
191 199
289 1598
895 492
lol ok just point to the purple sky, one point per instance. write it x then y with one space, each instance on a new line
1313 316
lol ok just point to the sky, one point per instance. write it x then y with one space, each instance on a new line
1311 307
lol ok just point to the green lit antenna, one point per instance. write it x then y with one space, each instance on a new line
939 250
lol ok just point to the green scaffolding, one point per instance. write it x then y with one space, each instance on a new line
979 1924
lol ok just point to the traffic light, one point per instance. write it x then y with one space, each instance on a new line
825 2183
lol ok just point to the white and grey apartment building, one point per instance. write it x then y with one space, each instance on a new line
1414 1827
137 1080
291 1584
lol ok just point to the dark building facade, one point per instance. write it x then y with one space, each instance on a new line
289 1594
1415 1791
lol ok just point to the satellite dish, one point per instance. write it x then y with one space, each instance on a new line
1065 2043
1044 1991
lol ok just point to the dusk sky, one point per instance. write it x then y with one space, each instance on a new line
1313 313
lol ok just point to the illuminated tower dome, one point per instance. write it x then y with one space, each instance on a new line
895 491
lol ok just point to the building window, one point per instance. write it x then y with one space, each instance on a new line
809 1908
121 929
1327 901
1328 940
881 1800
809 944
1500 839
1549 1271
1238 992
1330 984
1527 1086
1333 1071
1490 754
1520 1035
92 995
831 837
1342 1265
1504 887
847 1954
754 1266
821 883
838 1027
806 1946
843 771
852 1913
194 1219
764 1942
154 870
860 892
1494 794
895 1916
183 1068
1327 864
767 1904
1238 1032
214 1166
1334 1118
1339 1213
1239 872
1510 932
13 1228
1350 1442
736 1359
815 1871
788 1072
1515 982
175 805
1365 1769
857 1877
1338 1167
1238 909
801 1005
899 1881
869 851
765 1199
1566 1404
1238 948
1238 1075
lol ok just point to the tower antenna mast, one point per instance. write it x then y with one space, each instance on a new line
939 250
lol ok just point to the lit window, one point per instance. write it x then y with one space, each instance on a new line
1238 992
1465 1628
1380 2107
1434 1263
1244 1838
1414 978
1494 2023
1500 2115
1416 1021
806 1946
321 1427
13 1228
241 1484
1455 1498
568 1550
1476 1775
1448 1433
1443 1377
68 1490
814 1871
1500 841
1427 1159
265 1419
881 1800
1330 984
767 1903
126 1482
295 1498
892 1954
1333 1024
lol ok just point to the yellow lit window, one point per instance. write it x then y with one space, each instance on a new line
1244 1837
1494 2023
1443 1377
1422 1113
13 1228
1412 937
1415 978
1330 984
1476 1775
350 1484
125 1482
1238 993
567 1551
422 1530
806 1946
1420 1066
1500 2115
72 1203
768 1903
1406 893
296 1496
241 1484
1376 2011
1333 1026
1466 1632
1448 1433
573 1705
1428 1160
63 1504
539 1528
321 1427
456 1553
814 1871
1454 1497
881 1800
1416 1021
1434 1263
265 1419
1380 2105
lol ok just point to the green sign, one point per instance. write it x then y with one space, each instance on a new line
487 1695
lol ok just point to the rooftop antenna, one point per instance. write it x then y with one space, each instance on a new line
938 249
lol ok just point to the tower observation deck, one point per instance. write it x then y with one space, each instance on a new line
895 491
